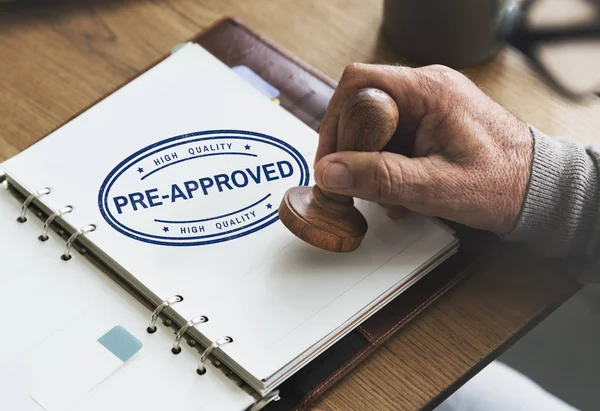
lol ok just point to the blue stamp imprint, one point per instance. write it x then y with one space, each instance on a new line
201 188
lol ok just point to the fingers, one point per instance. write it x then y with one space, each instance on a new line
403 84
397 212
384 178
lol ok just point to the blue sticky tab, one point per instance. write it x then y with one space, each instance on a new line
121 343
257 81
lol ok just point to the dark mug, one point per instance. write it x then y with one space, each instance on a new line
456 33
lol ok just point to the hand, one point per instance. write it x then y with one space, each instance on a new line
471 158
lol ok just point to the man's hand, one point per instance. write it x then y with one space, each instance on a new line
471 159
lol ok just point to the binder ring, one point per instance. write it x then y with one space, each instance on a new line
266 400
171 300
201 364
176 342
29 199
65 210
82 231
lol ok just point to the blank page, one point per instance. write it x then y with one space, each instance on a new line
55 309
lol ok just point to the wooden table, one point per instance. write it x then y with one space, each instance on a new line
57 59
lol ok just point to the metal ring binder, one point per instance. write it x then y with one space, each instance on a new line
65 210
201 364
270 397
28 200
82 231
171 300
176 342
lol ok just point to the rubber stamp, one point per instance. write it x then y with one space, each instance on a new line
330 221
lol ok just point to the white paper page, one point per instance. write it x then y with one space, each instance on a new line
189 92
316 291
55 312
154 379
40 292
195 214
322 321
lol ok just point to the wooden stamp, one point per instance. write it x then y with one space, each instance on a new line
330 221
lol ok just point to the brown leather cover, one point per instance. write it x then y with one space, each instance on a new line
305 93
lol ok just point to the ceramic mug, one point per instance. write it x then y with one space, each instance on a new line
456 33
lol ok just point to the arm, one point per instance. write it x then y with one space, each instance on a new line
560 215
472 162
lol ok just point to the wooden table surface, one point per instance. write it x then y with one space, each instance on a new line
57 57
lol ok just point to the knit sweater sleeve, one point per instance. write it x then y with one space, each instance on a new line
560 216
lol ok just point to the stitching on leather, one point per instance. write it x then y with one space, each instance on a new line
390 331
364 330
364 352
296 60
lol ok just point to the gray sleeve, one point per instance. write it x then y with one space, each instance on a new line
560 216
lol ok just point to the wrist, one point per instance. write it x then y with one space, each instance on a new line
518 176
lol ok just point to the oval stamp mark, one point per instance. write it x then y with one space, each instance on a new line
201 188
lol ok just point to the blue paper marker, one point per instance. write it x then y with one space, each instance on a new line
121 343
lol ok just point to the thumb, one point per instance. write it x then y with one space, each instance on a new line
386 178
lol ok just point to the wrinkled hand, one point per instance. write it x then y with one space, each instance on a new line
471 158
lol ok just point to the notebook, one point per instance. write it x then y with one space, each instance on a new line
174 181
54 359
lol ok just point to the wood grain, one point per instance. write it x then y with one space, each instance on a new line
58 57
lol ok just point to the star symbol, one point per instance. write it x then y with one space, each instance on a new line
140 170
247 147
165 229
269 206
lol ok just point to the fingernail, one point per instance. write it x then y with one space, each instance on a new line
337 175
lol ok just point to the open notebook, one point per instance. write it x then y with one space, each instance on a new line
53 360
175 180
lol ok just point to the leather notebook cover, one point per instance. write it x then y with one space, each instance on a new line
305 93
